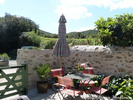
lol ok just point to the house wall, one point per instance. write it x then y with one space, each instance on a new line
105 60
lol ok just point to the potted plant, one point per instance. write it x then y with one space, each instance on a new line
43 73
4 59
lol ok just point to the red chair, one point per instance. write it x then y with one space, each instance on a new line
55 73
88 70
100 90
68 85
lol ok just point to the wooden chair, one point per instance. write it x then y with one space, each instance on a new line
99 90
68 85
55 73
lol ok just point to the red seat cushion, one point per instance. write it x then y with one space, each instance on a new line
69 85
98 89
57 72
88 70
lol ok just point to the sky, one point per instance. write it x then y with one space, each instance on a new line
81 15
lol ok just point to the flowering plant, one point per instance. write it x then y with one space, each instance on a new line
82 66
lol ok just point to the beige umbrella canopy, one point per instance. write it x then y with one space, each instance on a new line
61 47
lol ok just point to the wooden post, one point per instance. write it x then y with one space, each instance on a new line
60 62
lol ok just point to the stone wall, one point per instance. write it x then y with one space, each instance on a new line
105 60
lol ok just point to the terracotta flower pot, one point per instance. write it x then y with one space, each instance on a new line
4 63
42 87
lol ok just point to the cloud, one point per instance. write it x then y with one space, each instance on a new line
76 9
2 1
73 12
83 29
73 9
111 4
73 2
122 4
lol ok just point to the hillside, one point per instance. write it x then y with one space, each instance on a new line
83 34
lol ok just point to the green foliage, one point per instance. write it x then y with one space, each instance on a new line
47 43
117 85
11 28
79 67
47 34
116 31
88 41
98 79
113 82
90 38
76 35
30 39
43 71
83 34
125 89
93 41
4 57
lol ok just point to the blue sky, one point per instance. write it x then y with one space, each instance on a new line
80 14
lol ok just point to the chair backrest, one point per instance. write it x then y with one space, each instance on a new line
88 70
57 72
105 80
67 82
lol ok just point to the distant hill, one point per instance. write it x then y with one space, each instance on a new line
47 34
44 32
83 34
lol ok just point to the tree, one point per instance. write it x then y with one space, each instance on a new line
116 31
11 29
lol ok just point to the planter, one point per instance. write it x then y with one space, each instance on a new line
50 86
42 87
4 63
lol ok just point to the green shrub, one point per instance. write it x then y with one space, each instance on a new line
4 57
88 41
114 84
98 79
47 43
30 39
116 31
125 89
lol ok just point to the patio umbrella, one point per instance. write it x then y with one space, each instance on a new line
61 48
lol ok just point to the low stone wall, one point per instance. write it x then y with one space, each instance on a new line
105 60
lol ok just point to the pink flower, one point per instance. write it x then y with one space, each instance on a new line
83 65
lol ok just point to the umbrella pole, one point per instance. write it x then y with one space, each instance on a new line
60 62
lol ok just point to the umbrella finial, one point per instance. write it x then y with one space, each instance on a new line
62 19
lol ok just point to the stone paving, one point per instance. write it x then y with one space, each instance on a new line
33 95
